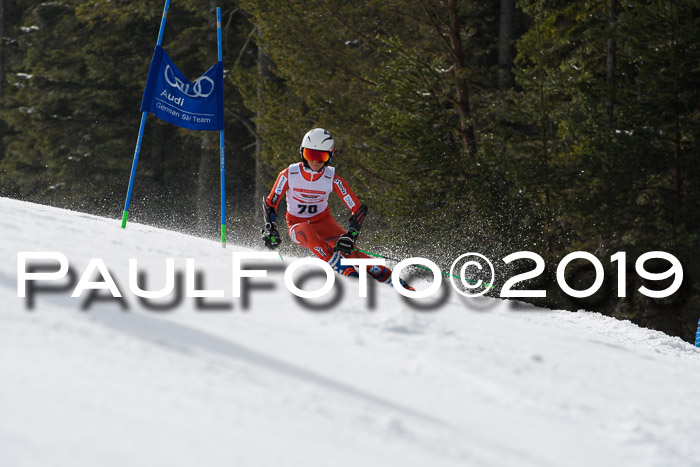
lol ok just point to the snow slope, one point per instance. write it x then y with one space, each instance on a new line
277 384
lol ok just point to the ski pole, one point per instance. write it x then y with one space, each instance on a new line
419 266
378 256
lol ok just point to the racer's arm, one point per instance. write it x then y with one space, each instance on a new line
344 192
270 235
273 199
346 242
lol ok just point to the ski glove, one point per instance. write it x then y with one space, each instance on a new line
271 236
346 243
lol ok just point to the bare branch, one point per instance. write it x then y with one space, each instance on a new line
439 32
245 46
246 124
357 33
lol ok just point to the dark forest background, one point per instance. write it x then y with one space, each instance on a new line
489 126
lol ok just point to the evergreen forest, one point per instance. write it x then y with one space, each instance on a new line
490 126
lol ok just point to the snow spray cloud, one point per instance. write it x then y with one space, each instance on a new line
50 272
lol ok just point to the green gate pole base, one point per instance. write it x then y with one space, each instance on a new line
124 216
223 235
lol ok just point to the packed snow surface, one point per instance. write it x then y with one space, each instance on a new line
270 382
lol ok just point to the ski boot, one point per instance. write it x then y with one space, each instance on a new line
343 270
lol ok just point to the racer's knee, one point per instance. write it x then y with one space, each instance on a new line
305 236
298 235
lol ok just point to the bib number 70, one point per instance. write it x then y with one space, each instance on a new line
310 208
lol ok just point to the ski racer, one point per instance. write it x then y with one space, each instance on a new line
308 185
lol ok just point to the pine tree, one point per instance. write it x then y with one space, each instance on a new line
73 110
610 91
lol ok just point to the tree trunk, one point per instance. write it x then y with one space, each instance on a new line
206 201
2 69
677 180
466 128
2 48
505 44
677 105
261 172
611 61
157 153
207 218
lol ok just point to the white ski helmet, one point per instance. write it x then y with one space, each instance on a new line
318 140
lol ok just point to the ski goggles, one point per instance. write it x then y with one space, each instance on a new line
315 155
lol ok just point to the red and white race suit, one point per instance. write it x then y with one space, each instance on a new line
309 219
